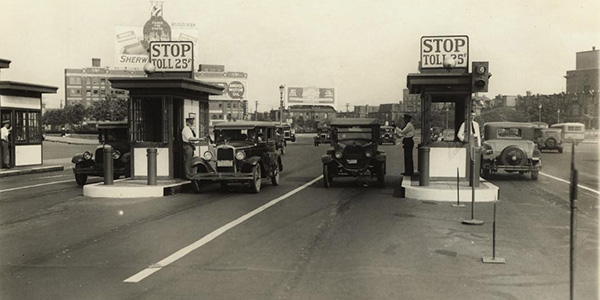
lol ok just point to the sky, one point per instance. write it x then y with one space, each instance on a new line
363 49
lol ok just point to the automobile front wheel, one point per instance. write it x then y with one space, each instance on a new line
534 175
327 179
381 178
198 186
81 179
256 179
275 178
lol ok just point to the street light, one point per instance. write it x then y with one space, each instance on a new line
281 89
540 107
558 118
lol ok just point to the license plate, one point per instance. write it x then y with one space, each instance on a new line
224 163
352 161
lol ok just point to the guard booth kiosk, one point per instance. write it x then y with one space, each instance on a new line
444 77
158 107
21 106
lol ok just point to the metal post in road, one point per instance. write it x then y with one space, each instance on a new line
458 190
493 259
573 235
472 221
108 165
151 153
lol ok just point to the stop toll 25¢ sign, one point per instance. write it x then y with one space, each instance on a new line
435 49
172 56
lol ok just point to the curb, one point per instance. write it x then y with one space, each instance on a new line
31 171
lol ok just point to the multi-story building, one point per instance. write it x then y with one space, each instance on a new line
86 85
501 100
411 103
364 111
227 110
582 89
390 113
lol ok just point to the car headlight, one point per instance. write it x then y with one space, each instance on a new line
116 154
368 154
338 154
87 155
207 155
240 155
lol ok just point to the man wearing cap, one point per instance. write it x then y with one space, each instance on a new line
407 133
4 132
188 136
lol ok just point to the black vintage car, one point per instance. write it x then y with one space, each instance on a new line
354 152
289 134
387 135
323 135
245 153
110 134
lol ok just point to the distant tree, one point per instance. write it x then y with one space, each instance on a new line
503 114
54 117
74 114
108 109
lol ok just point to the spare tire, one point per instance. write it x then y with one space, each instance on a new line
550 143
513 156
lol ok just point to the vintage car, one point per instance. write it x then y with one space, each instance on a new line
437 134
245 153
509 146
571 132
354 152
388 135
549 139
323 135
110 134
280 142
289 134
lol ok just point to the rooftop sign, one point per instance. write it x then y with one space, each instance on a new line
172 56
436 49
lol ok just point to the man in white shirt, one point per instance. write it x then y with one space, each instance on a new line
407 133
4 132
188 136
474 129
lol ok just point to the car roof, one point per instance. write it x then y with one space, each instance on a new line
244 125
509 124
353 121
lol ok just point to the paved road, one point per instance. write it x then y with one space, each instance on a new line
351 241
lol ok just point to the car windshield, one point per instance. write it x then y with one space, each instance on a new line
354 133
509 132
240 135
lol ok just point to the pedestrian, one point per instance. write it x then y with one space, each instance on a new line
474 129
188 136
4 132
407 133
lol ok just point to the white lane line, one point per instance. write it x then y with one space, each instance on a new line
34 185
53 176
211 236
567 182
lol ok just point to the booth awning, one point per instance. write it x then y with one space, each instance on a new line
184 87
33 90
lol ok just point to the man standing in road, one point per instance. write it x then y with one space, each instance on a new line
4 132
407 133
188 136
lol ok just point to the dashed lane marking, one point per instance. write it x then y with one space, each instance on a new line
211 236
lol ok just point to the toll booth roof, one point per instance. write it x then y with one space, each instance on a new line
16 86
354 121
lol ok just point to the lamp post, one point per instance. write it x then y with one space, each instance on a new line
540 107
558 117
281 89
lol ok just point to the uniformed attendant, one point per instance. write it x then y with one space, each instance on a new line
4 132
188 136
407 133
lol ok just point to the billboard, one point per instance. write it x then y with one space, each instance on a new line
234 84
310 96
131 49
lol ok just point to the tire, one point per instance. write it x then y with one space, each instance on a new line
275 178
485 173
198 186
550 143
513 156
81 179
534 175
256 180
381 176
326 176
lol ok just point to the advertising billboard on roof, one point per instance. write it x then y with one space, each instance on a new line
310 96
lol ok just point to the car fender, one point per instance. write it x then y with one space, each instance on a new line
126 157
381 157
249 163
280 163
199 161
326 159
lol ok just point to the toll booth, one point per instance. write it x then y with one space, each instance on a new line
158 107
21 106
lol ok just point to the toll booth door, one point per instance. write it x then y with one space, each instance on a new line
178 123
7 115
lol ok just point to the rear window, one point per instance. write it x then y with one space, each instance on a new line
574 128
509 132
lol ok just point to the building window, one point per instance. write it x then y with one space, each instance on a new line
88 93
95 92
220 105
145 114
75 80
88 80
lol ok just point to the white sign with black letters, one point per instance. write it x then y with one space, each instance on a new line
435 49
172 56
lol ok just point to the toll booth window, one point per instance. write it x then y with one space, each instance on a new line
28 128
149 120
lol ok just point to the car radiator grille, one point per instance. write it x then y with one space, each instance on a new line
354 152
225 154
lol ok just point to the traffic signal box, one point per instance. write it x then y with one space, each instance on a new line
480 76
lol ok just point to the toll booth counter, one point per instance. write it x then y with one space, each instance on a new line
21 107
158 107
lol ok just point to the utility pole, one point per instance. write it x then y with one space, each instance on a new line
281 90
255 110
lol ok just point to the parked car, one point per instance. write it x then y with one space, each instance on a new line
354 152
113 134
437 134
245 153
323 135
509 146
387 135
